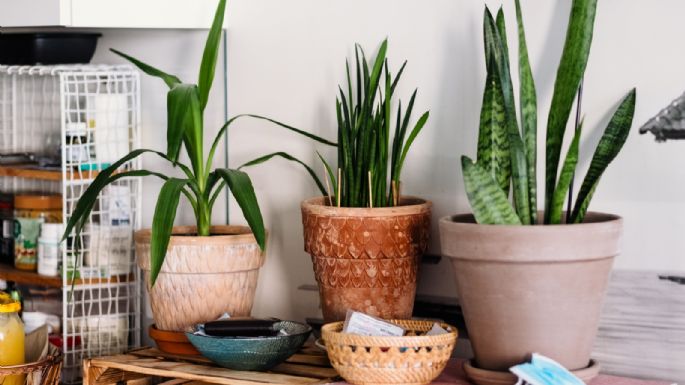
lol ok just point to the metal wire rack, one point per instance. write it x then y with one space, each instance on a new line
87 117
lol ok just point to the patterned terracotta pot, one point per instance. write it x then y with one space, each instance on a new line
202 277
366 259
526 289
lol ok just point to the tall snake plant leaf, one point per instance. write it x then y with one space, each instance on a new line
493 143
170 80
565 178
489 203
609 145
502 30
241 188
183 120
569 74
517 152
291 158
208 64
163 223
410 139
529 113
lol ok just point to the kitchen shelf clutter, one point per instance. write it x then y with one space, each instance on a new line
60 126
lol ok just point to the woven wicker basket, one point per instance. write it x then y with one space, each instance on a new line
412 359
44 372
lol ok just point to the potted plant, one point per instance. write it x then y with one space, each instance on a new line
365 238
193 273
528 281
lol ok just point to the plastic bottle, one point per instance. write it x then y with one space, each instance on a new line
11 338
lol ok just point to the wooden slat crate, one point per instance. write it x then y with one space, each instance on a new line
150 366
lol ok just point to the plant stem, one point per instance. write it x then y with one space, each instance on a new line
204 217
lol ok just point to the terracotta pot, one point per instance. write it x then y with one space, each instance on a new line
366 259
172 342
202 277
526 289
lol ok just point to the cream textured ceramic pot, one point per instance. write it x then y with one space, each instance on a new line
526 289
366 259
202 277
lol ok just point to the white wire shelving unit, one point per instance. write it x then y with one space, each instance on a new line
88 116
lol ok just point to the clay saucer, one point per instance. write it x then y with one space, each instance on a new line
492 377
172 342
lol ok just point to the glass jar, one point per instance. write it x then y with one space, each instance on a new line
30 211
11 338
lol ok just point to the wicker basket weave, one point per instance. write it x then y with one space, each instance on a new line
412 359
44 372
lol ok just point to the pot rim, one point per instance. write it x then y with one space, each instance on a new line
222 234
596 219
411 205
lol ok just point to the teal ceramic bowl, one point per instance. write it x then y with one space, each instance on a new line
252 353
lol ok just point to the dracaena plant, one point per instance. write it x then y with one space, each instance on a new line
507 155
201 184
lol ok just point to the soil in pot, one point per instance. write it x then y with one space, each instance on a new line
366 259
202 277
526 289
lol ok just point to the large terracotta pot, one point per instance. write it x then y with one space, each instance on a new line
202 277
366 259
526 289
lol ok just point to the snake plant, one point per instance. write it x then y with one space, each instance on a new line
369 163
200 184
507 155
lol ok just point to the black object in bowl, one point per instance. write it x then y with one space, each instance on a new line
47 47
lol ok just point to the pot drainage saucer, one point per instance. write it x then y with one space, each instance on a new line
493 377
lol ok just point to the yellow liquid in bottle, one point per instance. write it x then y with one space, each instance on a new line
11 346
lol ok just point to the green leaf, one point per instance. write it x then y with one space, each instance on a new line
529 113
407 144
502 30
170 80
489 203
493 141
609 146
241 188
163 223
331 177
569 74
210 54
519 165
289 157
565 178
184 120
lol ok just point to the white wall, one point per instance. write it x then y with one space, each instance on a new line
286 59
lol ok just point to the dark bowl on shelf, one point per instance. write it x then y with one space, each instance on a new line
252 353
47 47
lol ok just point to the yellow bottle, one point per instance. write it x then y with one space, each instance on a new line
11 338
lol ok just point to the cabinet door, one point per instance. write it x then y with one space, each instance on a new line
35 13
108 13
142 13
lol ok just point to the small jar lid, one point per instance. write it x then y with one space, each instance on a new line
8 305
76 129
38 202
51 230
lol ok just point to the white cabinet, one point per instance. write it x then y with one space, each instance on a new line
108 13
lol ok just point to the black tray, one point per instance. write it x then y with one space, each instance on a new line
47 48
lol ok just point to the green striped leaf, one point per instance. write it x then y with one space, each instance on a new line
519 165
163 223
569 74
528 112
502 30
489 203
170 80
291 158
208 64
493 143
184 120
565 178
243 192
610 144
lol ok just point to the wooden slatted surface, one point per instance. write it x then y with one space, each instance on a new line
308 367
